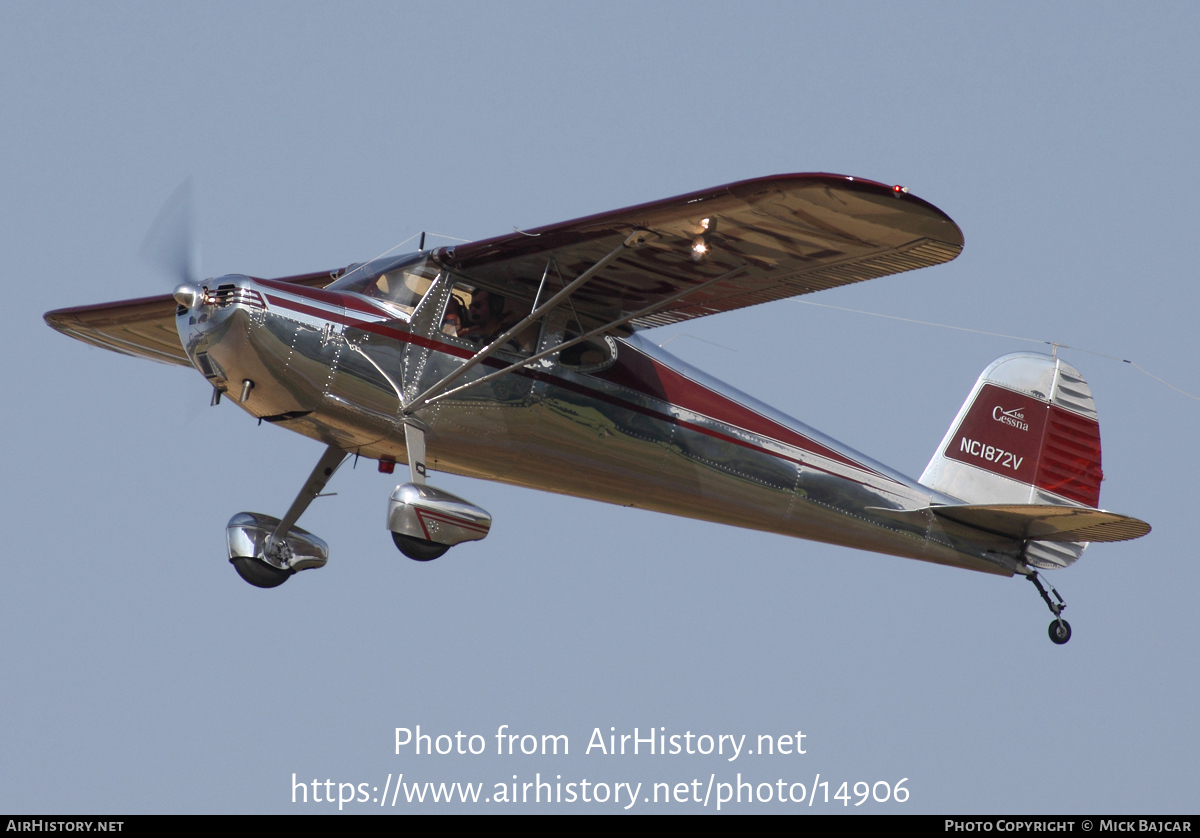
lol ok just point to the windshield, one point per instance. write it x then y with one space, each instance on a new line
400 281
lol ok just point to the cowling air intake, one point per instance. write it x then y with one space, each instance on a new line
1027 434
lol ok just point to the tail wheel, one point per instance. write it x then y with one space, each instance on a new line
1060 631
418 549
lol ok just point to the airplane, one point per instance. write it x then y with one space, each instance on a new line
522 359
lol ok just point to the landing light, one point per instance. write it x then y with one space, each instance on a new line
699 248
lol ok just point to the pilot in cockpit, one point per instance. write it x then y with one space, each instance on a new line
486 317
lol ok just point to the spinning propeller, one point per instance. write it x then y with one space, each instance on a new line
170 245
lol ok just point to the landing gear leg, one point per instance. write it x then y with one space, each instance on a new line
414 442
417 549
277 544
1060 629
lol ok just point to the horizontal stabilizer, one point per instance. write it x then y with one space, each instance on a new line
1030 521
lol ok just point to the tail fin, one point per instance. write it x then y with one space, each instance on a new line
1027 434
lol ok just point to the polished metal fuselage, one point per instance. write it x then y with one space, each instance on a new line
646 431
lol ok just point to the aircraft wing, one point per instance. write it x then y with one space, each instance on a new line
793 233
144 327
790 234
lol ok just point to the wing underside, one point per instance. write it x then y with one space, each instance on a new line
789 235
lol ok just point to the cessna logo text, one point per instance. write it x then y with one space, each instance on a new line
1014 417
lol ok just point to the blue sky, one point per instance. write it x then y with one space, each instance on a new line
142 676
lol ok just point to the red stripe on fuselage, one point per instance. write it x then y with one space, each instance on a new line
321 313
382 329
644 374
639 373
331 298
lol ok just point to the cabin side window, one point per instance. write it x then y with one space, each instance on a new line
589 355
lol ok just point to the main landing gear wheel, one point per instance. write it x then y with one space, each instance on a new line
1060 631
260 574
418 549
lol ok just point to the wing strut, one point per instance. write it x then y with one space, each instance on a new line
568 344
634 240
542 284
